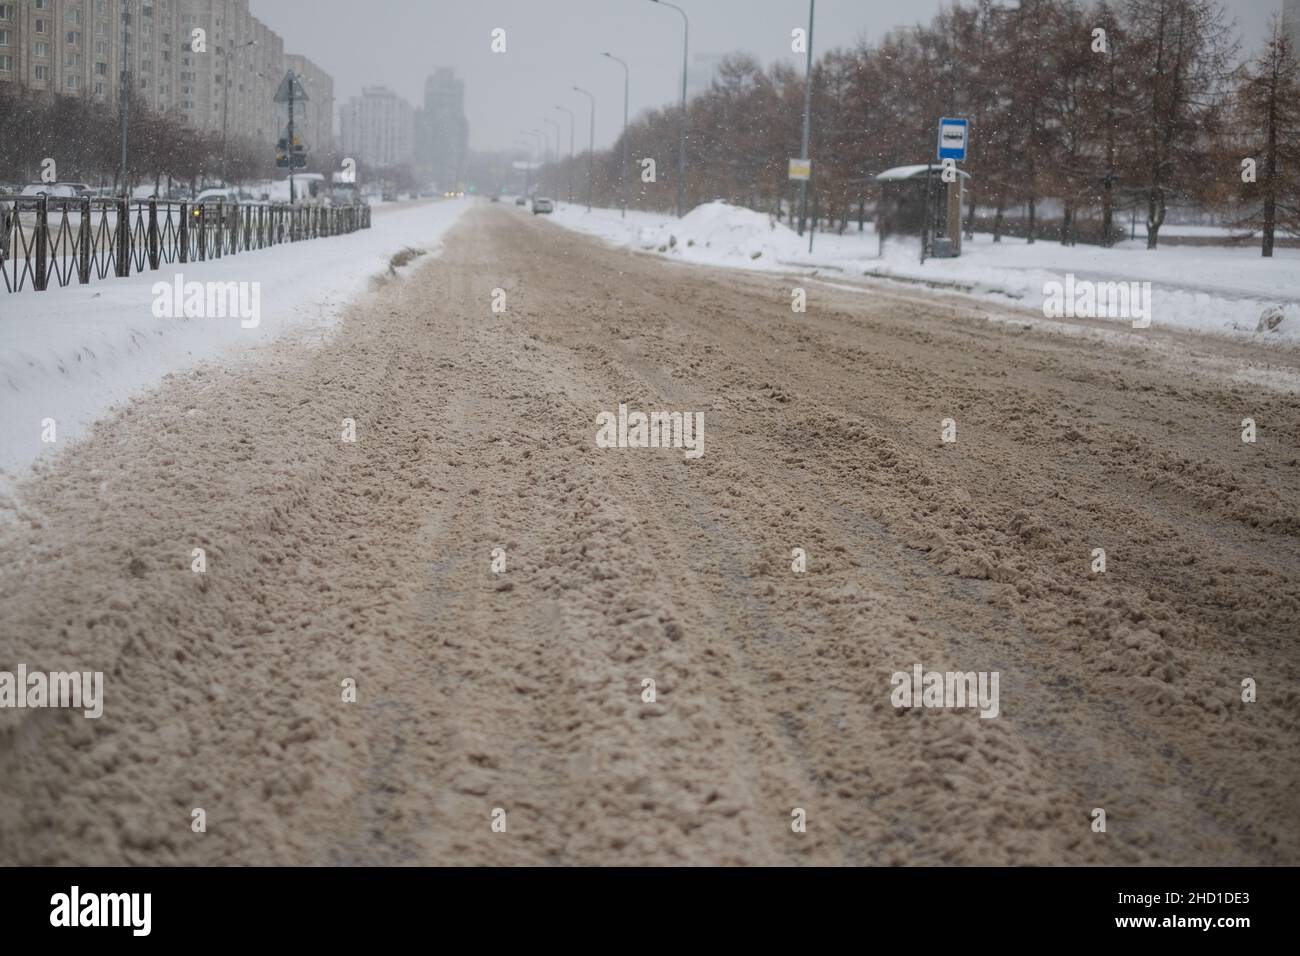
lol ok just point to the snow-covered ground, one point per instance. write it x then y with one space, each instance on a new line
70 354
1205 288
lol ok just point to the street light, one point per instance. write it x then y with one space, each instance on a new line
681 153
571 119
556 153
591 144
627 75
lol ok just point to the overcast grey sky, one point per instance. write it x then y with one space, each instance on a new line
554 44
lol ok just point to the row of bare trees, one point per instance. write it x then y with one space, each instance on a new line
1095 105
84 139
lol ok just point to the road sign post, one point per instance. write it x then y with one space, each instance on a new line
954 136
291 90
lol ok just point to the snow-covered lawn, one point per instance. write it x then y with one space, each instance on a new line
69 354
1206 288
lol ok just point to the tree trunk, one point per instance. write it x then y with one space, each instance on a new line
1155 217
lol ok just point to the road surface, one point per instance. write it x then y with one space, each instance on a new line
522 691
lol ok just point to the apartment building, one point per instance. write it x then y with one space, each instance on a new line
442 132
377 128
76 48
1291 22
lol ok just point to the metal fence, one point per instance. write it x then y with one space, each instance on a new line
48 241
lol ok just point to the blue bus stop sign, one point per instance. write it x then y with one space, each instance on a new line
954 137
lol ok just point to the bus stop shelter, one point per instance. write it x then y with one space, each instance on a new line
915 201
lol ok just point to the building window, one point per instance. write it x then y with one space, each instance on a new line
40 48
6 63
72 17
101 48
42 71
99 87
4 37
71 81
72 61
74 37
6 11
101 69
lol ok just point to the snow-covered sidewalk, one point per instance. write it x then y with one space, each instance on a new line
69 354
1205 288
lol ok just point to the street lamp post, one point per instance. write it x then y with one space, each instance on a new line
681 151
627 75
555 179
591 144
565 109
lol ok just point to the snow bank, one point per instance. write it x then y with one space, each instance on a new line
1205 288
70 354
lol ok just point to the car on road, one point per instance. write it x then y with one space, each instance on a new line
56 190
521 200
542 204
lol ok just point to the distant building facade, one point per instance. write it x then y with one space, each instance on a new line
75 48
377 128
442 131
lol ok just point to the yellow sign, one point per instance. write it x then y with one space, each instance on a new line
801 169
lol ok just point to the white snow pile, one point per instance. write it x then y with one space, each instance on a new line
70 354
717 230
1222 289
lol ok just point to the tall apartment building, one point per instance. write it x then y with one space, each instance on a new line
442 131
75 48
377 128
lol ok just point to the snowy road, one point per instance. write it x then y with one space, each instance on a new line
329 560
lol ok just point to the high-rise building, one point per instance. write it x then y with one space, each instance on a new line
75 48
377 128
443 132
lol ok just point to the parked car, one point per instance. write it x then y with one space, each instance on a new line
542 204
57 190
225 194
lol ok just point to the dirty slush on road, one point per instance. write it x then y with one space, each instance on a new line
523 690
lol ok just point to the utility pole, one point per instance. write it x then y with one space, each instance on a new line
807 126
292 155
627 76
591 145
